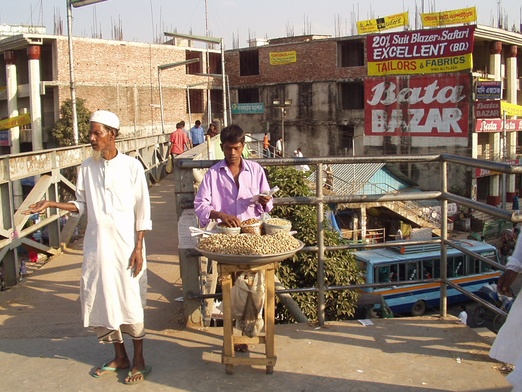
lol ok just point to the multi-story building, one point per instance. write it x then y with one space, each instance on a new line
411 92
125 77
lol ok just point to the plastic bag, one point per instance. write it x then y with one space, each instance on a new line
170 165
248 298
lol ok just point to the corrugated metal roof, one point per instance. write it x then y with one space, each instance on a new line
350 179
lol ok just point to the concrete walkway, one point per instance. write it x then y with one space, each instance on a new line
43 346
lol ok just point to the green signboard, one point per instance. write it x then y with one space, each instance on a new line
248 108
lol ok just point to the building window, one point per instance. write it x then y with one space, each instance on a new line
249 62
195 101
216 101
351 53
194 68
352 95
214 64
247 95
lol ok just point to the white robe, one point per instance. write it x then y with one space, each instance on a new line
507 346
115 195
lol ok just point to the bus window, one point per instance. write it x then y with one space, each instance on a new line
408 271
427 269
455 266
412 271
382 274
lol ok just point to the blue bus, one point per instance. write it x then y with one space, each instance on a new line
414 262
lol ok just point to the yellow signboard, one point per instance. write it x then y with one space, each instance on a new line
420 66
282 58
463 15
17 121
386 23
511 109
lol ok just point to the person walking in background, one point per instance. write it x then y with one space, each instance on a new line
516 201
179 142
212 130
279 147
299 154
463 316
197 134
187 132
266 146
112 189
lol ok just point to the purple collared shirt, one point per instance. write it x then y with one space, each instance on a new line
219 192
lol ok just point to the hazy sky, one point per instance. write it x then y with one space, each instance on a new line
144 20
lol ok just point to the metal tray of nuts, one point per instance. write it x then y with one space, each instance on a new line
250 259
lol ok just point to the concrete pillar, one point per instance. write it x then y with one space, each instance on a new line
34 52
495 68
12 111
511 97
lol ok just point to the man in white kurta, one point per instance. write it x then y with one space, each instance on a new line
112 189
114 194
507 346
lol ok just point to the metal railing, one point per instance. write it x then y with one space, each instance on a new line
45 170
185 197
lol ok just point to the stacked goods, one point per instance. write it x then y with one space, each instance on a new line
276 225
224 229
249 244
251 226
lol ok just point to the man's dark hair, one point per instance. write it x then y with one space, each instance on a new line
179 125
198 123
182 123
232 134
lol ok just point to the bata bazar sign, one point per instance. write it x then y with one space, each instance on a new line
417 105
487 109
421 51
496 125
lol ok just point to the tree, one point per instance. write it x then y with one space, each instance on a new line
301 270
62 130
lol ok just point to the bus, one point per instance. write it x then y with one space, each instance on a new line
414 262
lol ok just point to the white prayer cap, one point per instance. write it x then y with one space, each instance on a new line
106 118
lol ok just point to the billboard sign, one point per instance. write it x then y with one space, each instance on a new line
496 125
379 24
487 109
463 15
487 89
248 108
5 139
282 58
420 51
429 105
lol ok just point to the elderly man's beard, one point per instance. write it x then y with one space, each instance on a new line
97 155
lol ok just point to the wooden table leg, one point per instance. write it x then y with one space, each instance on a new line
269 318
228 327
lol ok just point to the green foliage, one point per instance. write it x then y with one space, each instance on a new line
62 130
301 270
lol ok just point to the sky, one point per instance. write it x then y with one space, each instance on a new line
236 21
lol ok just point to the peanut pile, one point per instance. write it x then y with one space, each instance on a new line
249 244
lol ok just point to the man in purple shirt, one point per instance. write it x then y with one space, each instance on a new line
227 189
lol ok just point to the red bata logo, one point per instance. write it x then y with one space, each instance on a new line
431 110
